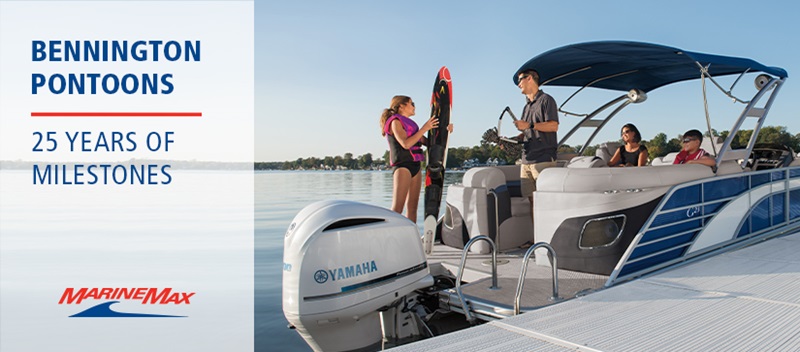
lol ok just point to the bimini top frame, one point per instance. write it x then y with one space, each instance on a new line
638 68
647 66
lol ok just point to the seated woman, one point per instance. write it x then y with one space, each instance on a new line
632 153
692 153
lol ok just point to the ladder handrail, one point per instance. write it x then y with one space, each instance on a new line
524 270
469 316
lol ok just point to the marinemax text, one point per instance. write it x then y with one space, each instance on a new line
148 295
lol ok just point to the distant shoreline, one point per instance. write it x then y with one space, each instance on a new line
174 164
179 165
356 170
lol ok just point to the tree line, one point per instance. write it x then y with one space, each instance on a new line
339 162
658 146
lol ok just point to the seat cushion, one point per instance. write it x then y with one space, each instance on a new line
484 177
618 178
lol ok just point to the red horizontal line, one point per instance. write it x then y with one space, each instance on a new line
116 114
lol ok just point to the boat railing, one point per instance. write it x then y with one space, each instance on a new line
469 244
521 283
634 96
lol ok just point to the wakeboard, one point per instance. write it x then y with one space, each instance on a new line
441 104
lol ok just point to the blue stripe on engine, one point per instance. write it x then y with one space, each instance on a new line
361 285
396 275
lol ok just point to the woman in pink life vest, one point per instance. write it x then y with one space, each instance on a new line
405 149
692 153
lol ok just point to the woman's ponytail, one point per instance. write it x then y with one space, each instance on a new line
394 108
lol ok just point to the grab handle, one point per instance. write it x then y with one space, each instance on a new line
521 282
464 306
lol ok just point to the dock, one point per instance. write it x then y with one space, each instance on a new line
747 299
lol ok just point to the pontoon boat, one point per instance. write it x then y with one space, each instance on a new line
356 277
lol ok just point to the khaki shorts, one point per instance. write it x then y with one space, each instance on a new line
528 175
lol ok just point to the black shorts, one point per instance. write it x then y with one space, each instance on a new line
412 166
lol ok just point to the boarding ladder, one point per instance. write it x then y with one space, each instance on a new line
465 305
521 282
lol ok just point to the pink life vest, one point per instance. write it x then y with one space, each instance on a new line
397 153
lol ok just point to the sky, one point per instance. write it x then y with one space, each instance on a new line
325 70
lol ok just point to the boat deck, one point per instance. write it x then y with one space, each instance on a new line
499 303
742 300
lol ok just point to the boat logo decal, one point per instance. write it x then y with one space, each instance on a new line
289 231
691 212
113 295
345 272
321 276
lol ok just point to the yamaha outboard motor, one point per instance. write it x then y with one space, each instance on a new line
343 262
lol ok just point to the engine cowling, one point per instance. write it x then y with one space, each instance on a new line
343 261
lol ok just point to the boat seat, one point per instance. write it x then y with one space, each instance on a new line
563 159
664 160
727 167
603 154
470 210
583 162
708 144
607 150
612 178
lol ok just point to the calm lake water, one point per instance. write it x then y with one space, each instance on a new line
280 195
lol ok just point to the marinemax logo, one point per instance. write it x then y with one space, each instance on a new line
346 272
145 295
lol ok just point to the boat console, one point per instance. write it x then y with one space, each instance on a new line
771 156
